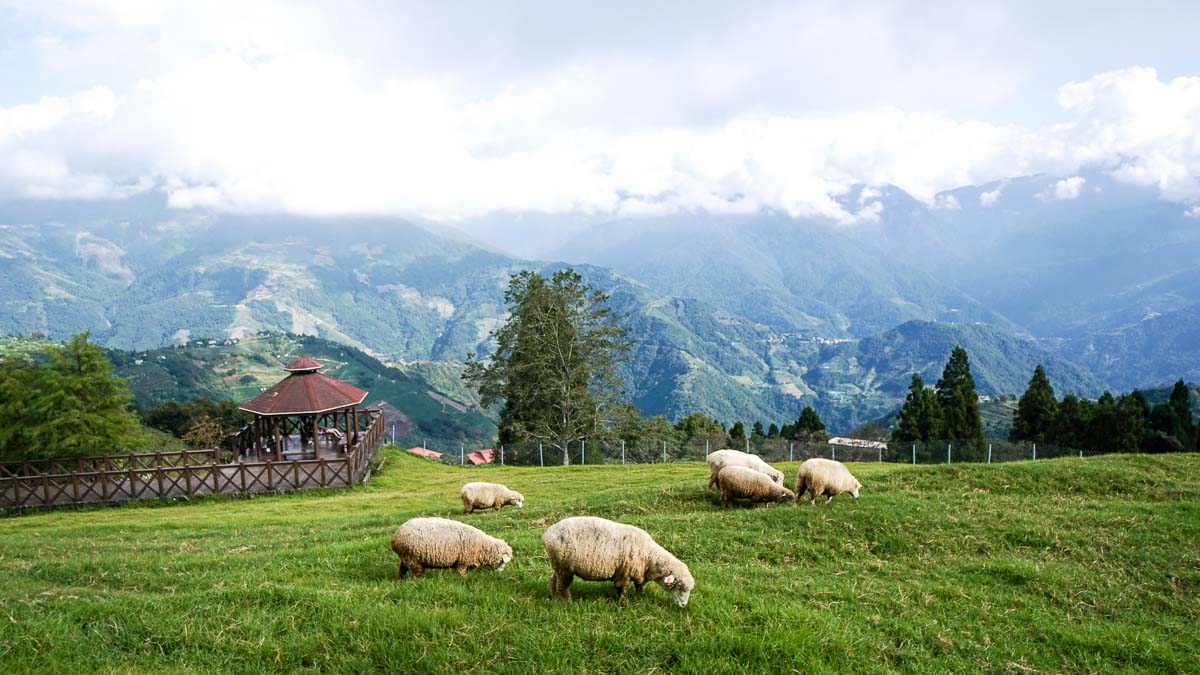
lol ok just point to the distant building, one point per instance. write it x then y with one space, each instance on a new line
425 452
485 456
858 443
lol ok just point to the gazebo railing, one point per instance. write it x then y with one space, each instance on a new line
187 473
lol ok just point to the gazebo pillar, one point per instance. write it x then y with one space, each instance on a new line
278 441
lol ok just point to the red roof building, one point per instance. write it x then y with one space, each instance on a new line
486 456
319 409
305 392
425 452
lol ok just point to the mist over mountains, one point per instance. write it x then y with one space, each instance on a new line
742 317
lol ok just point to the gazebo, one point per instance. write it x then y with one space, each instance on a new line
315 411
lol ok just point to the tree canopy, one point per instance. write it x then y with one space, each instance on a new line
70 405
957 400
1036 411
555 368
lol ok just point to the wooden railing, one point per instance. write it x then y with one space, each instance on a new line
118 478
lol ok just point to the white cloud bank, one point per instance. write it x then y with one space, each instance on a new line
282 123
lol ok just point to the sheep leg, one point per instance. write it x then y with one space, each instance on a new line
712 480
401 571
560 584
828 499
417 570
638 585
461 569
467 508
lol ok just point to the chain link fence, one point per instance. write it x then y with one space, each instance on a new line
658 451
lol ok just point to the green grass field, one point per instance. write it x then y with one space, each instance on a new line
1060 565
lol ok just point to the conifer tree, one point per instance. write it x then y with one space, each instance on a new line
1180 405
808 426
773 431
1036 411
957 400
737 435
919 417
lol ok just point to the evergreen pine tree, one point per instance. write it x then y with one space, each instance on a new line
1181 413
737 435
957 399
1036 411
758 430
808 426
773 431
919 417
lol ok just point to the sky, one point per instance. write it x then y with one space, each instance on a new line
453 111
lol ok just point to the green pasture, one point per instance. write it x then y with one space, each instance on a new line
1071 565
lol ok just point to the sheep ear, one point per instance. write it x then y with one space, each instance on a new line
669 579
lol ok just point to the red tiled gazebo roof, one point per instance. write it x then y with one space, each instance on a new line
303 363
305 392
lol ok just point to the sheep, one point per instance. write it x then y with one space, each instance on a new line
595 549
442 543
488 496
825 476
740 482
722 458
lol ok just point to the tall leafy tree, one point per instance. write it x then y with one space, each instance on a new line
555 369
1036 411
957 400
920 417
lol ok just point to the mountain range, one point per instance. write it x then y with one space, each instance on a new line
741 317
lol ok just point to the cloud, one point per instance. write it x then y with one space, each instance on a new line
1193 212
990 197
1064 190
946 202
284 107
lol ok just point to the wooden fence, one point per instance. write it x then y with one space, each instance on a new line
118 478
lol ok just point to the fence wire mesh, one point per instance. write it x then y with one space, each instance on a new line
657 451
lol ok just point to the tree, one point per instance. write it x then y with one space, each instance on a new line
920 417
957 400
773 431
1036 411
758 430
809 427
1114 426
1071 423
737 434
203 433
70 406
1181 412
555 369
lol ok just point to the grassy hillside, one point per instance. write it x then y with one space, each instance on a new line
1060 565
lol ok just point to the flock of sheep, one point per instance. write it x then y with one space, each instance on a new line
595 549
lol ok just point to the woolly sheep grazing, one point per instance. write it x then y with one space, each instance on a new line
825 476
595 549
738 482
442 543
489 496
722 458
